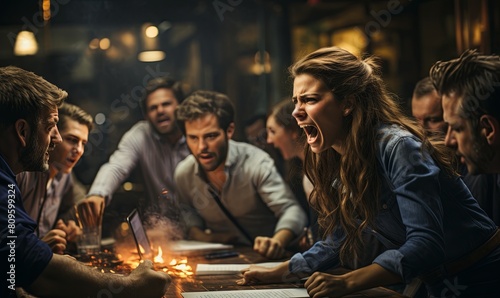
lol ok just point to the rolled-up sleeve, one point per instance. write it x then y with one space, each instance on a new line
322 255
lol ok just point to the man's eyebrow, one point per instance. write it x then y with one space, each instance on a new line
50 121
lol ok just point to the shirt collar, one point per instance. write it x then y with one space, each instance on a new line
161 139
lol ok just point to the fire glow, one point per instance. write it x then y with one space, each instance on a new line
176 267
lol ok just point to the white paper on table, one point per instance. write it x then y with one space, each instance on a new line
226 269
195 247
273 293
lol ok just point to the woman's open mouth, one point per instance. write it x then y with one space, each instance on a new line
311 132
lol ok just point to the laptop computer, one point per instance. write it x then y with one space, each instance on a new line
179 247
141 238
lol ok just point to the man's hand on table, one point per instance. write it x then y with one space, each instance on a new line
151 283
273 248
269 247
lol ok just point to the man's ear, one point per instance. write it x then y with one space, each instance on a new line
489 128
22 129
230 131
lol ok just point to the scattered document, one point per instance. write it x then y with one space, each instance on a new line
273 293
225 269
189 247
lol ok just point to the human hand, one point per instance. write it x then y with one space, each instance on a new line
56 239
256 274
259 274
97 202
149 283
71 229
326 285
96 199
269 247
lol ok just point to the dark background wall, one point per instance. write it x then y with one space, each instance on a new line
239 47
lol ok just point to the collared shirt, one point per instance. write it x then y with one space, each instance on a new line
21 252
426 216
156 157
54 201
254 192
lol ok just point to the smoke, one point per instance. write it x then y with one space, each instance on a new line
162 230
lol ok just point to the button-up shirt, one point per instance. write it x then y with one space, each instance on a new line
426 218
154 154
254 193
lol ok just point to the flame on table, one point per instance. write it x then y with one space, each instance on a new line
173 266
158 258
176 267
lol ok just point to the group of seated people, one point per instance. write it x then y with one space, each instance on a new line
384 194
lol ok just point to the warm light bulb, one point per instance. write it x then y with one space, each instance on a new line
104 44
151 31
25 44
151 56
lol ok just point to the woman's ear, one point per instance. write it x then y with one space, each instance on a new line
489 128
22 129
348 106
347 111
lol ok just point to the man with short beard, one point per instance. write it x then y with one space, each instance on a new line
28 119
470 90
231 191
427 109
48 196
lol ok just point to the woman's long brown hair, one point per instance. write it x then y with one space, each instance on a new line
347 187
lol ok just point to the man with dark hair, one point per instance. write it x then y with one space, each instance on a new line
428 110
156 145
48 196
255 131
231 192
470 90
426 107
28 129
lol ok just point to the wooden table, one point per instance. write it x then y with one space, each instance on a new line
228 282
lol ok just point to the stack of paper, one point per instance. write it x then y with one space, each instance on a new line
224 269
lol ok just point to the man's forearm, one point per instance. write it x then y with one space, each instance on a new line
65 277
284 236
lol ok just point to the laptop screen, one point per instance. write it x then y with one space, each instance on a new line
141 239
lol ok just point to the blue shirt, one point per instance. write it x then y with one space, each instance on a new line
23 256
426 216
